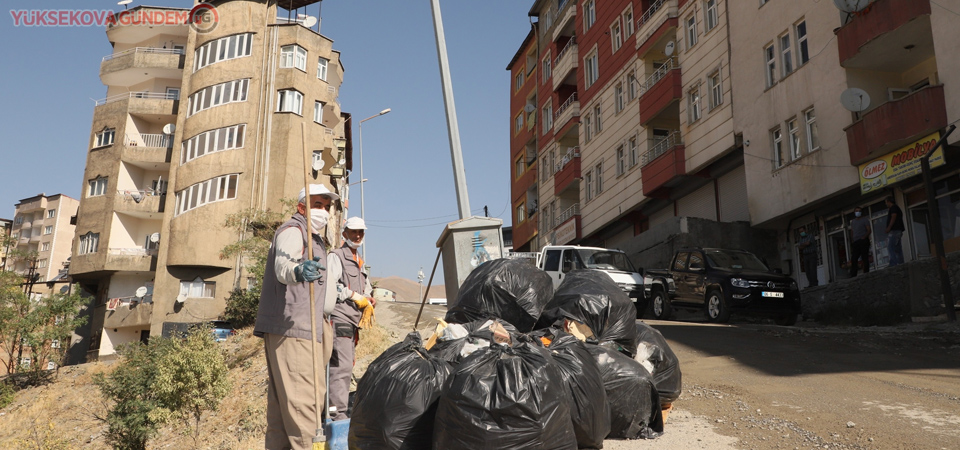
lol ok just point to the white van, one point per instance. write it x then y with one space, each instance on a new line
557 260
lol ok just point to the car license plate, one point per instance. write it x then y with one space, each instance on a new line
772 294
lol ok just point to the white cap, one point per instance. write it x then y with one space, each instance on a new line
354 223
317 189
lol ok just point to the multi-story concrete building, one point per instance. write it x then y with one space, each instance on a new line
5 226
523 143
42 232
197 124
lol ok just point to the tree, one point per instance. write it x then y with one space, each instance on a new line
137 413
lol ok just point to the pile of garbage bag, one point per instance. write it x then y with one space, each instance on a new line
515 365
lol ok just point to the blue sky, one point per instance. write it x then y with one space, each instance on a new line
51 77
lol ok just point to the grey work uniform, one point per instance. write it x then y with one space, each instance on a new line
346 318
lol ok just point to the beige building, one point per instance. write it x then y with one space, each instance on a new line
5 226
41 226
196 126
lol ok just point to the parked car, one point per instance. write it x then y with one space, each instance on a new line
222 330
721 282
557 260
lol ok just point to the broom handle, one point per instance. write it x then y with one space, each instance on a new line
313 307
427 292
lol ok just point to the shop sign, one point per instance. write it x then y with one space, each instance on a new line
567 232
900 164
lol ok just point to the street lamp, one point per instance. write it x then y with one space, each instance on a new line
363 204
420 282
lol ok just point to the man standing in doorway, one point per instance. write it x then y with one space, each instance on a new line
894 232
808 251
860 248
353 312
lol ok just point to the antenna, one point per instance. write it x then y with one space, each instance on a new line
125 3
309 21
169 128
851 6
529 108
855 100
670 47
181 298
141 291
154 238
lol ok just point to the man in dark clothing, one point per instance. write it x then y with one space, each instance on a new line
808 252
860 248
894 232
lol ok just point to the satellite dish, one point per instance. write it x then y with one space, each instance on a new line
141 291
855 99
155 237
668 50
529 108
125 2
309 21
851 6
169 128
181 298
317 164
342 162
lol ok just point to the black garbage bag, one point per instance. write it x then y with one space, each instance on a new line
505 397
655 351
592 298
396 400
479 334
510 289
581 375
634 402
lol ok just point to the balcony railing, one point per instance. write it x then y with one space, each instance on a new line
139 251
572 152
570 44
148 95
167 51
565 105
650 12
660 147
151 140
137 194
566 214
658 75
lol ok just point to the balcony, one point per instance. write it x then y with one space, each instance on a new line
525 231
132 311
889 36
38 204
568 227
139 203
897 123
143 103
662 165
567 111
660 90
131 260
564 19
565 65
148 150
655 23
141 64
567 170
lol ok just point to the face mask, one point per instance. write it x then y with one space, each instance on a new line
318 219
857 213
803 234
352 244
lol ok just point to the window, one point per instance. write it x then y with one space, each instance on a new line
48 229
198 288
518 167
219 94
518 123
518 81
621 161
634 155
589 14
631 86
293 56
794 132
597 124
212 141
547 117
98 187
18 220
543 169
547 68
618 97
521 213
693 104
592 72
88 243
209 191
802 46
813 137
587 129
599 177
51 213
104 138
588 185
691 31
628 22
318 112
222 49
777 136
769 55
290 100
616 35
710 15
42 264
45 247
322 68
716 90
787 58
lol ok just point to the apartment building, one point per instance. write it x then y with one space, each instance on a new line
524 189
811 155
5 226
197 125
41 230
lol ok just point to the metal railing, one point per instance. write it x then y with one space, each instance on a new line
660 147
572 152
566 214
149 95
571 43
658 75
566 104
153 140
162 51
650 12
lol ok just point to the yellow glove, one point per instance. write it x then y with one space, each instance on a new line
361 301
366 320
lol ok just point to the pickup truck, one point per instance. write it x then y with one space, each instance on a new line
720 282
557 260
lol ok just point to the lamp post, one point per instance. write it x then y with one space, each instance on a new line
420 282
363 204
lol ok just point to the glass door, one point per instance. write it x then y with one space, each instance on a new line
837 248
878 220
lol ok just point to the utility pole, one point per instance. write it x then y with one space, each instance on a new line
936 231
